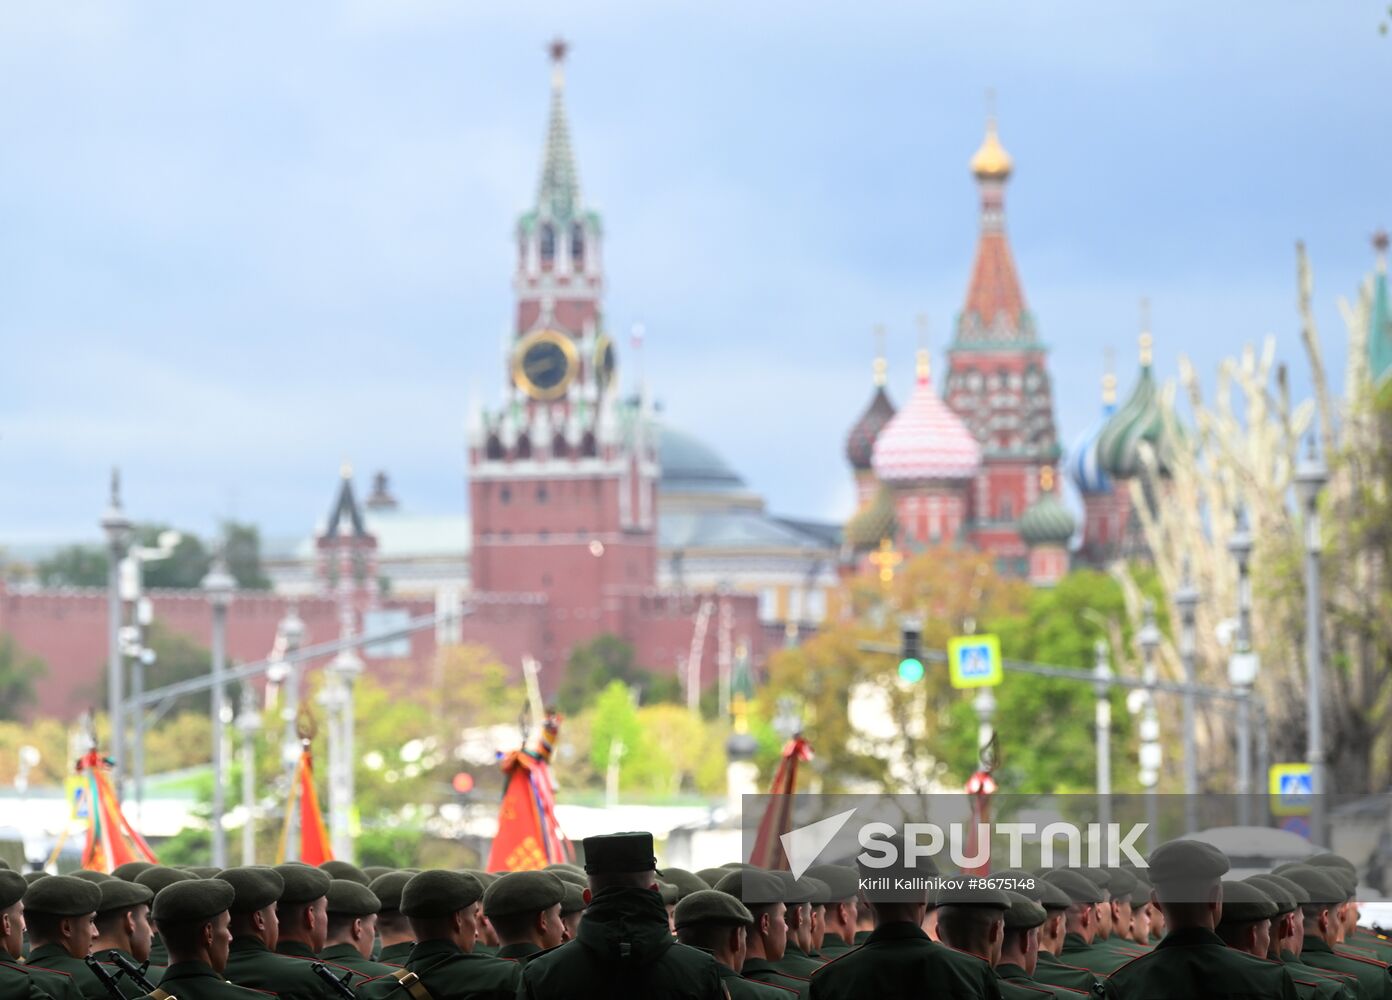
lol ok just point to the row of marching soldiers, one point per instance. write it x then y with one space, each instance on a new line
621 928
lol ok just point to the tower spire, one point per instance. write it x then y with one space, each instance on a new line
995 306
881 367
558 195
1146 341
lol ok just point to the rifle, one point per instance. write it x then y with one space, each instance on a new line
340 986
135 972
106 978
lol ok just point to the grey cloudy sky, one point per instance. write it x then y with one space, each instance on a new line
240 243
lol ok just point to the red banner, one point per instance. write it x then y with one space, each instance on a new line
529 837
778 817
315 848
111 840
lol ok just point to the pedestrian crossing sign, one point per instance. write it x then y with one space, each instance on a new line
974 661
1292 787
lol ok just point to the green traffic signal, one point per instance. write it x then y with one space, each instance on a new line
911 670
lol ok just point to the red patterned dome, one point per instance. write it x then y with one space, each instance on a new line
925 440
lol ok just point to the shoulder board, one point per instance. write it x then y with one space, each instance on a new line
1360 958
44 968
786 989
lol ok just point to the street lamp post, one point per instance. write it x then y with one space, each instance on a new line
1103 725
1310 479
1243 665
290 632
343 670
1186 599
218 585
248 724
117 528
1151 752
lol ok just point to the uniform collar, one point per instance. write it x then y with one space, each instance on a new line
1008 970
188 970
519 950
341 950
1190 937
295 949
241 944
900 930
1073 941
1316 944
431 949
45 952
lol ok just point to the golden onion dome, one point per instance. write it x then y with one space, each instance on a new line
991 161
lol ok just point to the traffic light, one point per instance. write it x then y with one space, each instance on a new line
911 652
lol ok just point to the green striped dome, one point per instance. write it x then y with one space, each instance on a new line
1047 521
873 522
1139 419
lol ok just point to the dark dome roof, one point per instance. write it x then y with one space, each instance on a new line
873 522
1139 419
689 465
1047 521
860 443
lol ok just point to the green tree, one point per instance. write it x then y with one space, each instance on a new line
616 720
74 566
186 565
243 554
18 671
594 665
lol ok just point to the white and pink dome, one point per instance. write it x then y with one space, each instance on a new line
925 440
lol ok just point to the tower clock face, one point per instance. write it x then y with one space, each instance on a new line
544 364
604 362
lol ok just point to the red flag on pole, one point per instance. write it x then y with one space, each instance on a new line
529 837
778 817
314 835
111 840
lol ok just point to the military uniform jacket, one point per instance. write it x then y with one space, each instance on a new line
448 972
1194 962
862 936
833 946
1051 970
899 960
159 954
797 962
57 958
17 984
741 988
251 964
198 981
344 956
522 952
396 954
1098 958
1345 983
57 984
761 970
1372 975
1013 976
624 948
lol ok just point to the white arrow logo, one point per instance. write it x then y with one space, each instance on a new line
805 844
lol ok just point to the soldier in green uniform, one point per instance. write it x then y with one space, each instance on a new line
302 912
572 911
193 920
351 930
840 910
487 941
898 959
128 871
762 893
252 960
1321 931
1192 960
345 870
718 924
1283 928
1019 951
1138 934
1087 902
443 907
1120 885
18 982
525 909
624 946
797 900
155 878
1048 970
393 928
971 918
123 925
60 913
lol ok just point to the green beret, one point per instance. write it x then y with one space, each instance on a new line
63 896
1322 889
1244 903
710 876
842 881
1140 895
1331 860
1277 893
1186 863
1347 880
31 877
796 891
387 888
128 871
346 870
158 877
1078 888
685 881
569 876
352 899
752 886
1295 890
437 892
1100 877
821 892
202 871
711 906
5 865
373 871
619 853
96 878
1023 912
303 884
485 878
118 895
958 891
522 892
574 901
12 888
195 900
256 886
564 866
1122 883
669 893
